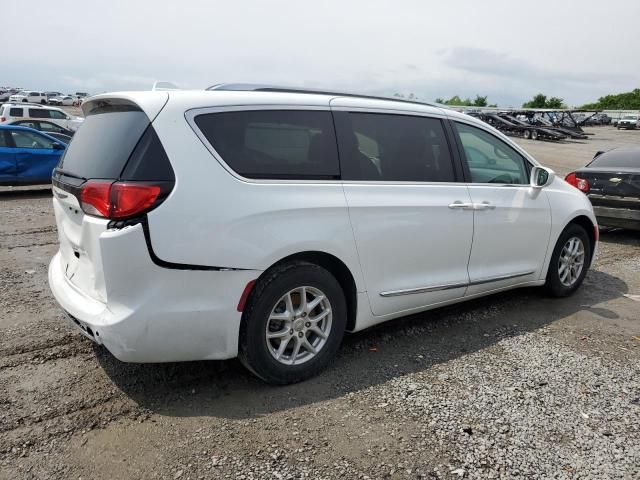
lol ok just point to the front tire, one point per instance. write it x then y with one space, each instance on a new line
293 323
570 261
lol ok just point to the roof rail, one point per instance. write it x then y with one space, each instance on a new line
251 87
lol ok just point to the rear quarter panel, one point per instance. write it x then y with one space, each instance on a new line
214 218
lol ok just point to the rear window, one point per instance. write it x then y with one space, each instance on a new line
284 144
117 141
618 159
101 148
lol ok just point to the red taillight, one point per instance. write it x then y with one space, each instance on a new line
129 199
580 183
95 199
3 119
117 200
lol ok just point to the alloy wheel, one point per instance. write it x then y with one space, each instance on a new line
299 325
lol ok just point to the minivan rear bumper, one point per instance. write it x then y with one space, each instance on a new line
154 314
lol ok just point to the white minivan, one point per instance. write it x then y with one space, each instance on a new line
264 222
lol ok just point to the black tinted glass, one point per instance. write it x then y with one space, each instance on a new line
148 161
274 144
102 146
385 147
15 112
618 159
39 113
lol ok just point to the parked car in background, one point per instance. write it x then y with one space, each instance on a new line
51 95
347 212
29 96
27 156
10 112
596 120
4 95
66 100
44 126
629 122
612 183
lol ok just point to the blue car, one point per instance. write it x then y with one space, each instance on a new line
27 156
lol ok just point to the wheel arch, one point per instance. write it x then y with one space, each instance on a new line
591 229
336 267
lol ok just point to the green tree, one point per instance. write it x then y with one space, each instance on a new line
555 102
456 101
619 101
540 101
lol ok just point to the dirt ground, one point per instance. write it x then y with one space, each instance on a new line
513 384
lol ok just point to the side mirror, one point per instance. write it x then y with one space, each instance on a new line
541 177
58 146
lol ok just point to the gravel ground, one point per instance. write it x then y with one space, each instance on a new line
516 384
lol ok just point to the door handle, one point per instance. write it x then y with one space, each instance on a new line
462 205
483 206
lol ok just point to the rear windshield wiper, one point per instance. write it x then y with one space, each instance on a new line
69 174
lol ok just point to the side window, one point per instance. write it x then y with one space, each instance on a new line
27 123
16 112
489 159
38 113
286 144
3 139
50 127
385 147
30 140
57 115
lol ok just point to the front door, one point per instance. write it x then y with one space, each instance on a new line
35 155
512 221
412 237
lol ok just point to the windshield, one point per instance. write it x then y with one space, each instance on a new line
630 117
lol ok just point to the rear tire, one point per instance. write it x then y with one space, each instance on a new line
285 339
534 135
570 261
526 134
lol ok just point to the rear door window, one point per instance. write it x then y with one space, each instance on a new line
385 147
39 113
16 112
279 144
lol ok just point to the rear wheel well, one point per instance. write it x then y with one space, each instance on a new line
338 269
586 223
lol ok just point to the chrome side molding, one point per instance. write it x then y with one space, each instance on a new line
450 286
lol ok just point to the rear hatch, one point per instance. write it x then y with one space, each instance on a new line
114 171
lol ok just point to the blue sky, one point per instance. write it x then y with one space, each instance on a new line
508 50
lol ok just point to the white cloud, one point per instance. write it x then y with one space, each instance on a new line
507 50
